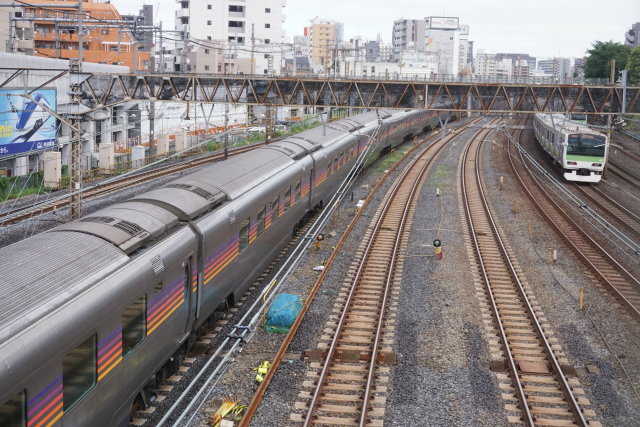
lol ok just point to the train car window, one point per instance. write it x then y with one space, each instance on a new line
13 412
298 190
133 325
336 164
261 216
287 199
157 288
329 167
244 234
78 372
275 205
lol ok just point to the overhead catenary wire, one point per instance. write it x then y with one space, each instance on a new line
269 292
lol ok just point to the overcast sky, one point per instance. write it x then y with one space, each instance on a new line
542 28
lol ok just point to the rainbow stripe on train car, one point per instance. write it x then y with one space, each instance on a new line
222 257
109 353
165 304
47 407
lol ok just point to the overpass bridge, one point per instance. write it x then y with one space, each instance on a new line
101 90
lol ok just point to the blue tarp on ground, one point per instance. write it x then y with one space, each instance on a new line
283 313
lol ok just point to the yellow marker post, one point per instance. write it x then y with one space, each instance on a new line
581 298
530 227
549 255
501 183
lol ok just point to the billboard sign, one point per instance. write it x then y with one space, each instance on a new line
26 125
442 23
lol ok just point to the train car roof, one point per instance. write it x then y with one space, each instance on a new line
67 264
567 125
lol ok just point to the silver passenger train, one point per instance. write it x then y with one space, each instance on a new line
96 312
579 151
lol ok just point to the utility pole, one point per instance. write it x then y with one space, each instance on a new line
226 129
80 31
57 30
119 43
75 174
152 133
161 50
253 47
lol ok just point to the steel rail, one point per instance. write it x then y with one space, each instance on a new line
259 394
370 244
577 230
573 404
114 184
625 217
503 335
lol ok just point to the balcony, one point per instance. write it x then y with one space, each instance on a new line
62 37
182 13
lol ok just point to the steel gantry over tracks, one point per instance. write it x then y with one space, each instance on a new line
102 90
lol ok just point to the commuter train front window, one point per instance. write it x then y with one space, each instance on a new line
133 325
287 199
261 216
12 412
79 372
244 234
298 190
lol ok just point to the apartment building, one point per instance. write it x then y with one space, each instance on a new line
251 32
53 31
408 34
325 35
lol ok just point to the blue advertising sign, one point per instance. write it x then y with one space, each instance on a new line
26 125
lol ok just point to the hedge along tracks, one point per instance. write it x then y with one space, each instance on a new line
112 185
254 404
537 391
618 280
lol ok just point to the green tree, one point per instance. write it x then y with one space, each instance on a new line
633 67
598 63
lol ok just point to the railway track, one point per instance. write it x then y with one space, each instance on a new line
606 204
624 174
540 392
358 339
623 284
118 184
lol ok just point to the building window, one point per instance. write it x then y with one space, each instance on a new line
236 24
267 10
244 235
267 41
236 8
266 56
267 25
133 325
184 5
209 7
219 68
206 51
105 32
78 372
206 68
12 412
208 37
208 22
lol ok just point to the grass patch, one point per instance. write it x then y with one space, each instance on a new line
390 159
20 186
